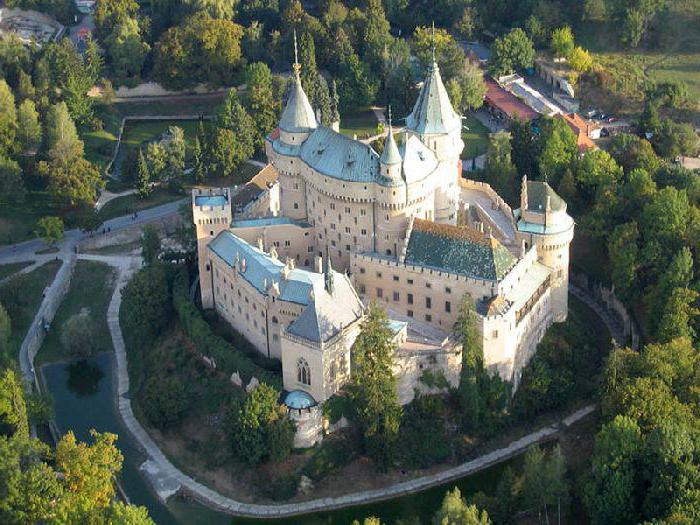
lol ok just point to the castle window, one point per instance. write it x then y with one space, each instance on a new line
296 206
409 281
396 278
363 231
428 318
347 209
448 289
428 302
396 296
363 290
386 218
409 313
363 212
380 293
388 252
303 372
309 249
274 320
494 334
428 285
347 247
379 275
448 307
211 232
287 243
362 270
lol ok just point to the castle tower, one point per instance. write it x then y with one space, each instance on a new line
211 213
435 122
297 122
544 223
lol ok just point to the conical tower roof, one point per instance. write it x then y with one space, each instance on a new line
391 154
433 112
298 115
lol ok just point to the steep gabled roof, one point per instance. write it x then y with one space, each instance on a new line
458 249
433 112
537 193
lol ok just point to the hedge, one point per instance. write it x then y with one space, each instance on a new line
228 358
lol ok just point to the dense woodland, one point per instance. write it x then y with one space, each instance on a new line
637 212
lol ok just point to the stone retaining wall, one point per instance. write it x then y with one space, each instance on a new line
166 227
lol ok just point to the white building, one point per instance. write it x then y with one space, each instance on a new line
410 232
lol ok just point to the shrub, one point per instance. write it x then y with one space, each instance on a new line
146 306
228 358
164 400
78 335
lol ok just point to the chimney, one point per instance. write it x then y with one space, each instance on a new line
318 264
523 194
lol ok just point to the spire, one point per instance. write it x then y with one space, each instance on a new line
328 272
296 66
391 154
298 115
433 112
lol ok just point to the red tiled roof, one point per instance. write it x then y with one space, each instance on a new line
506 102
275 134
581 129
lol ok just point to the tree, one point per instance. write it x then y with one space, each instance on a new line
672 139
556 147
455 511
11 183
609 493
5 333
199 154
262 104
631 152
146 306
217 9
165 400
356 88
309 69
126 49
61 142
143 177
109 13
255 425
470 398
28 126
234 139
13 410
499 169
580 60
679 315
471 88
201 50
512 51
373 388
377 36
50 229
562 42
623 249
150 244
78 335
73 180
8 119
174 149
448 54
545 478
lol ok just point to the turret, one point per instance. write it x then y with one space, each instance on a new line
391 158
543 222
211 213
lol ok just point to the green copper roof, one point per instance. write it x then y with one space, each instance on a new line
537 192
340 157
433 112
298 115
391 153
458 249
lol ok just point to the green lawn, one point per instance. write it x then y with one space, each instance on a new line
131 203
243 174
96 277
476 138
8 269
362 123
21 297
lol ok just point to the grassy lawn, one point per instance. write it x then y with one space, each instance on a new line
244 173
116 249
88 275
131 203
362 123
8 269
21 296
476 138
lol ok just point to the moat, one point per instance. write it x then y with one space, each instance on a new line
83 399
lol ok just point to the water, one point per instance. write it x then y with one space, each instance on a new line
83 399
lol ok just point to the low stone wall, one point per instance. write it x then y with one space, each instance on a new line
488 190
153 89
166 227
36 333
409 367
611 303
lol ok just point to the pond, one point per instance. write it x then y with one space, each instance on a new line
83 399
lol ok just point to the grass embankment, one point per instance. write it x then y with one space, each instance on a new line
362 123
131 203
90 289
476 137
8 269
21 296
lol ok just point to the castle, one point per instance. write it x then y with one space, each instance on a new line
330 225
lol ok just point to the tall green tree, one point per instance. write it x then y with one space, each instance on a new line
499 169
13 409
510 52
373 388
50 229
11 182
545 479
61 142
126 50
562 43
470 398
8 119
143 177
150 244
448 55
233 141
29 130
262 104
456 511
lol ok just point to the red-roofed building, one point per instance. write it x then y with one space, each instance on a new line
506 105
582 129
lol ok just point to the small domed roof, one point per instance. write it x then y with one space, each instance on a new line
299 399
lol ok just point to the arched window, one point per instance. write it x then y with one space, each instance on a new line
303 372
274 320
